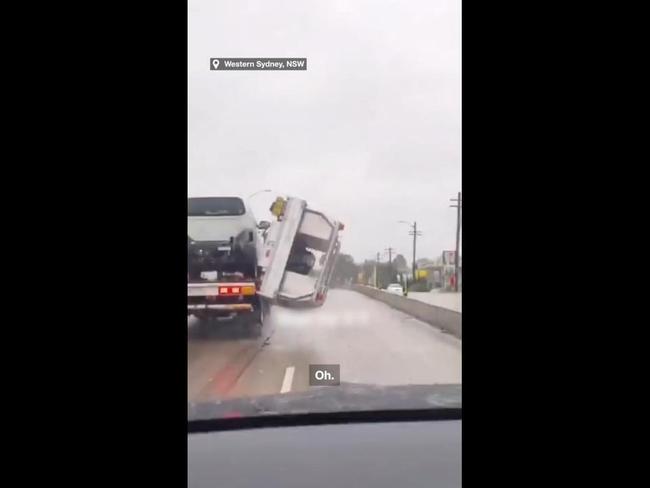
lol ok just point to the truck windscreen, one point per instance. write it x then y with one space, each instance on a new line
211 207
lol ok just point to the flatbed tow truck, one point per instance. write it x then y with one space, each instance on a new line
292 261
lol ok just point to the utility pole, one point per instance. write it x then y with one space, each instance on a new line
458 206
376 280
390 263
415 233
390 255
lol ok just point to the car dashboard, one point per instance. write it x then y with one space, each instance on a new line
423 453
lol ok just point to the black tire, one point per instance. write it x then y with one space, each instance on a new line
255 320
253 330
203 327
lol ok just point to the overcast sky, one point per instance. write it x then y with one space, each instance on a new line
370 134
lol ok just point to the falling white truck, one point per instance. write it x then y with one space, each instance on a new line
299 253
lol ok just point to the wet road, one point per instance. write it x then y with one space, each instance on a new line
372 342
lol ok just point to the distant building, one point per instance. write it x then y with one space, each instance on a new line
440 271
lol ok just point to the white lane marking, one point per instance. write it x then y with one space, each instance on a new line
288 379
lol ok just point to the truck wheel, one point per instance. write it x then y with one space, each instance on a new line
254 330
255 321
203 327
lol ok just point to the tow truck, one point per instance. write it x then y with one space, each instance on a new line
237 268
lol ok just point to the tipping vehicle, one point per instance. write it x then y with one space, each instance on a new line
299 253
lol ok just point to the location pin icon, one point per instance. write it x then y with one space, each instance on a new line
215 63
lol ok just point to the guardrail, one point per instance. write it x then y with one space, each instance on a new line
443 318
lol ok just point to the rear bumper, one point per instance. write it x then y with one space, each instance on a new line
206 298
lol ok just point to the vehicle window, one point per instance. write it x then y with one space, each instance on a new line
207 207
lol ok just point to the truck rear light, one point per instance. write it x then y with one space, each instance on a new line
237 290
248 290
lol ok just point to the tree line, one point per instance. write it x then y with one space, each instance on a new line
346 271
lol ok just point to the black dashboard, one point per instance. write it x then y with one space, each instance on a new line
355 455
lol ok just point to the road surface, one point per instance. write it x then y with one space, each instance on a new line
372 342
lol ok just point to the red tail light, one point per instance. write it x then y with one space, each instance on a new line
237 290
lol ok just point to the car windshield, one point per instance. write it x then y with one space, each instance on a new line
342 130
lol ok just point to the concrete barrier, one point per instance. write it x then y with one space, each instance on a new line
443 318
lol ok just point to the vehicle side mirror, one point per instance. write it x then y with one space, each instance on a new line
264 224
